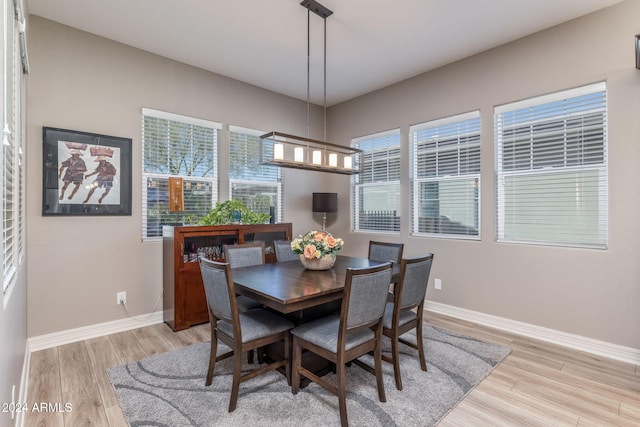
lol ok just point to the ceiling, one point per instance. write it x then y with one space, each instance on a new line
370 43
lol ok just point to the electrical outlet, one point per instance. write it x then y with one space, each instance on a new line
121 298
438 284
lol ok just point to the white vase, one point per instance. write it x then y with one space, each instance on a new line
324 263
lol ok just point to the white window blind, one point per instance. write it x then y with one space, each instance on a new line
376 189
551 163
445 176
12 153
258 186
177 146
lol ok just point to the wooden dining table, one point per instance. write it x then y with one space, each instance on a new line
288 287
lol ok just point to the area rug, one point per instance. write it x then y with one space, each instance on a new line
168 389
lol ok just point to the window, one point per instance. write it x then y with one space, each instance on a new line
445 172
177 146
12 145
258 186
551 163
376 190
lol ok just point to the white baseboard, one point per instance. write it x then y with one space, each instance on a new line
55 339
576 342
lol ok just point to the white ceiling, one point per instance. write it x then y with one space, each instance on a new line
370 43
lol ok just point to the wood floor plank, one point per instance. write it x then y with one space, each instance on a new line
127 347
115 417
103 356
549 414
78 385
44 387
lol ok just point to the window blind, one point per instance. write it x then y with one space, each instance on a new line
258 186
12 170
551 163
177 146
376 190
445 176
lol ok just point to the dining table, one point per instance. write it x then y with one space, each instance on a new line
288 287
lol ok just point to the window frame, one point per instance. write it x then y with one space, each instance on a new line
277 183
357 185
188 179
452 142
542 165
12 153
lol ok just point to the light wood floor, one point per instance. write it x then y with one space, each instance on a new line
538 384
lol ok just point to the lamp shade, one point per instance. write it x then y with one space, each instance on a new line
638 51
325 202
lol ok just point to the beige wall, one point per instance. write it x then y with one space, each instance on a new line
592 293
82 82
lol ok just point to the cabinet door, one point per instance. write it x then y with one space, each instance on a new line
209 246
193 301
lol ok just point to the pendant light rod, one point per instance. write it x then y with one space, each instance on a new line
290 151
324 102
317 8
308 72
323 12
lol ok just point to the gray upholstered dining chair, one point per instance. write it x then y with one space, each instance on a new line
245 255
383 251
283 251
342 338
241 331
406 310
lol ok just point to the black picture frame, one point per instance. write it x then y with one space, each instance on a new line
98 184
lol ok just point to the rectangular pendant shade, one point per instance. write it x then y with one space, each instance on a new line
289 151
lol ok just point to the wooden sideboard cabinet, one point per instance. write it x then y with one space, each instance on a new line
184 300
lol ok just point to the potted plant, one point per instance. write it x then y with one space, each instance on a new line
233 211
317 249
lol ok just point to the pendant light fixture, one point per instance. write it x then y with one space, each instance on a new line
289 151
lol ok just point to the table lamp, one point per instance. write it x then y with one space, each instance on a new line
325 203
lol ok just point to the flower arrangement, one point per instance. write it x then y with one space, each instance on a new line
316 244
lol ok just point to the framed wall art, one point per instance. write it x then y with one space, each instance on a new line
85 173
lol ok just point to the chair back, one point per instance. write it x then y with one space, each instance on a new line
283 251
414 276
383 251
365 295
244 255
218 286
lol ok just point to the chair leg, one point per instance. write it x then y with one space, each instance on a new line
212 360
420 343
295 363
378 367
235 386
342 393
395 355
250 357
287 357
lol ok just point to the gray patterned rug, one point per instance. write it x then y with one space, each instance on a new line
168 389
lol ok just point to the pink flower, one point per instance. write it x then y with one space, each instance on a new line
320 235
331 241
310 252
